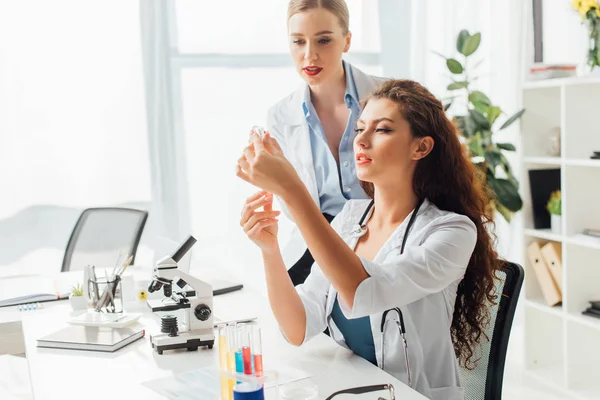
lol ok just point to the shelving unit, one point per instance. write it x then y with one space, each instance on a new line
562 345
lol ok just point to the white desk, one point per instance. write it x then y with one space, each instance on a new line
59 373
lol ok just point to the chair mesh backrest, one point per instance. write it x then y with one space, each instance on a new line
100 234
485 381
474 381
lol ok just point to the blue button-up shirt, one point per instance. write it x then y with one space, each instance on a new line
336 183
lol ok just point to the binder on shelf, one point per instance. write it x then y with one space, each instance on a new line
552 253
542 182
550 290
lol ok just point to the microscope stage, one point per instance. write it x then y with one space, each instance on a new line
185 340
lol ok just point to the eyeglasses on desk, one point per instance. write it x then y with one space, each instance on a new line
367 389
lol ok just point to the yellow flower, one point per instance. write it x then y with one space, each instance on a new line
583 6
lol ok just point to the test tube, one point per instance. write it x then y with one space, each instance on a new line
257 351
239 361
246 353
223 350
232 342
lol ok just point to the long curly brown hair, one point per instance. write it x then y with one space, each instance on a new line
448 179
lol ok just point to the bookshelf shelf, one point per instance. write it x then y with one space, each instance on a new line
583 162
560 82
543 160
584 241
539 305
561 344
585 320
546 234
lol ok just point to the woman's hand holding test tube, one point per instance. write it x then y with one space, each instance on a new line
263 165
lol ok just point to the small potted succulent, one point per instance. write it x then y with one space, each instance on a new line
554 207
77 299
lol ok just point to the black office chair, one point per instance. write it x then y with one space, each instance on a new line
485 381
101 234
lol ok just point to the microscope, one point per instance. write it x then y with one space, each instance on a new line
181 292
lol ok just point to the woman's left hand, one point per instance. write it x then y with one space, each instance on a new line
264 166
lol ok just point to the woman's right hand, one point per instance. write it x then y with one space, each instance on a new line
260 226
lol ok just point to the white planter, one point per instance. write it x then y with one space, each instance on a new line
78 303
555 223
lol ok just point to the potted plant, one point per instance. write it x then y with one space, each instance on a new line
77 299
476 118
554 207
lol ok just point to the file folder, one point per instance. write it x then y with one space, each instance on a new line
552 295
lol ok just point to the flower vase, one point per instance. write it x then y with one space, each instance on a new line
555 224
593 57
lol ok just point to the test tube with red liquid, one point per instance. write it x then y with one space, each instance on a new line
257 351
246 353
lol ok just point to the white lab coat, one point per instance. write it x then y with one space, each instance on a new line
287 124
422 282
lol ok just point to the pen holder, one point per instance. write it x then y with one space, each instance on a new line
106 294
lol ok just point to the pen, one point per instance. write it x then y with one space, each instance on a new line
95 284
116 264
126 265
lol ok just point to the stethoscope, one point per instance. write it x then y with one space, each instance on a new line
359 231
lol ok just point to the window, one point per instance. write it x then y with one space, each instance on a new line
233 66
72 126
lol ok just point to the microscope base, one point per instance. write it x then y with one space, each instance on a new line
191 342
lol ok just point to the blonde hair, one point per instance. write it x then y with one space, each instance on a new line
336 7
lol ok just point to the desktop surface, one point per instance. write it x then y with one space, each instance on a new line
52 370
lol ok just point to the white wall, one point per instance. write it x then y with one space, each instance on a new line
564 37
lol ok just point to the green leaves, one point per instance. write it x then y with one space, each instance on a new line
471 44
471 126
479 119
466 44
505 212
493 159
458 85
506 146
506 193
460 41
512 119
477 96
493 113
476 125
475 145
454 66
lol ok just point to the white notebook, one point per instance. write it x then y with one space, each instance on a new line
32 289
95 338
93 318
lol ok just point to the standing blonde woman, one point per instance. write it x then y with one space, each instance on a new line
315 124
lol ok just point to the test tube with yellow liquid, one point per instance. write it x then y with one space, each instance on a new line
223 350
233 346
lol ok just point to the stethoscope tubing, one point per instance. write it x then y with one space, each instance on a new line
361 230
